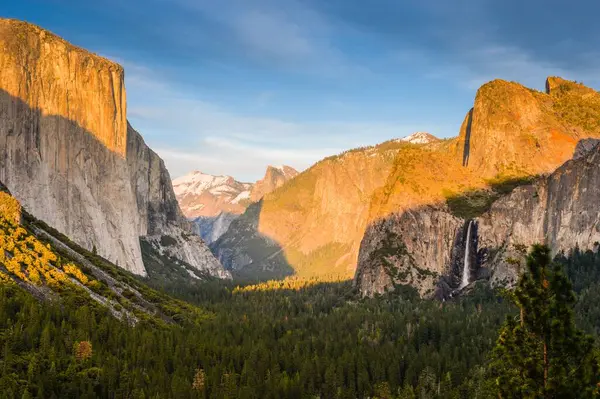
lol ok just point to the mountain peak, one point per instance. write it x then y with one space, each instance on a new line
420 138
286 170
275 177
202 194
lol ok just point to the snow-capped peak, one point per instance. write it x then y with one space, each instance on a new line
420 138
197 182
201 194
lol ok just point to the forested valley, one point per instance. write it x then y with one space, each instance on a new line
291 339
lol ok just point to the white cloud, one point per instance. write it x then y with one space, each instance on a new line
284 34
191 133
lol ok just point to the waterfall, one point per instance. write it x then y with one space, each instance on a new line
466 270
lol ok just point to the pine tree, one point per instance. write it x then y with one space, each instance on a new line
542 354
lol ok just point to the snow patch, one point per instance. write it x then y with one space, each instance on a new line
419 138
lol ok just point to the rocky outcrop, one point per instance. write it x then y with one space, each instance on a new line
516 131
161 222
68 154
584 147
560 210
412 248
274 178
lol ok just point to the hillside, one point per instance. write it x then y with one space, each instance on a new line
312 225
45 263
512 135
315 223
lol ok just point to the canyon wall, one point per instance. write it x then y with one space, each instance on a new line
68 155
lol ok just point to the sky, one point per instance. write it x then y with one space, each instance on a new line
231 86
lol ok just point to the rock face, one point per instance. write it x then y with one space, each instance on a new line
68 154
210 228
512 132
159 212
413 248
249 254
275 177
560 210
312 225
213 202
584 147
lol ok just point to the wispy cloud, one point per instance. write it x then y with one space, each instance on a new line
190 133
285 34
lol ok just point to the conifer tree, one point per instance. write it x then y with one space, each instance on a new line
541 354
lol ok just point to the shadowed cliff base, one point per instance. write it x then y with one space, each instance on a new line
210 228
250 255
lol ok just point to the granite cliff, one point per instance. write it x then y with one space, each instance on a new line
318 220
69 156
312 225
560 209
275 177
510 136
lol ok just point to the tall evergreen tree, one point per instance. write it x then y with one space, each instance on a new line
541 354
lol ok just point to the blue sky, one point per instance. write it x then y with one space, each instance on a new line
230 86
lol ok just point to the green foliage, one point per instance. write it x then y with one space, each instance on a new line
578 105
318 261
311 340
472 203
293 339
542 354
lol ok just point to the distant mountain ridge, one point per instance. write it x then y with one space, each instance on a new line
213 202
201 194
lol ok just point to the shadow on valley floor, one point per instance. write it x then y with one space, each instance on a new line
248 254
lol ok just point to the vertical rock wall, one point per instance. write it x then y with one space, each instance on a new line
68 155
